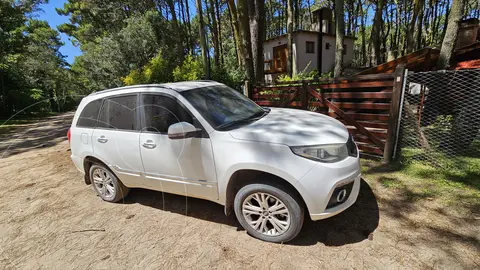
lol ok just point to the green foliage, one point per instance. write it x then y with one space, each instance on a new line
190 70
36 94
304 75
232 77
155 71
32 69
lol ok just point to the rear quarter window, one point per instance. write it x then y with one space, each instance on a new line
89 115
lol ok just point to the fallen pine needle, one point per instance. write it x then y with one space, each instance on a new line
88 230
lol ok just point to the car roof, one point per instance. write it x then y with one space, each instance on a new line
177 86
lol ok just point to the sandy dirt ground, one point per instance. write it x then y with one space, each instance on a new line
49 219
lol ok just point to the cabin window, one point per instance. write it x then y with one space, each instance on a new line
310 47
327 46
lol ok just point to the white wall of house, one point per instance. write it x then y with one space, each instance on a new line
328 55
301 58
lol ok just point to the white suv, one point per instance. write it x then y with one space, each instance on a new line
205 140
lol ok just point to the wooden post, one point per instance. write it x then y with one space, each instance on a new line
304 96
247 90
394 113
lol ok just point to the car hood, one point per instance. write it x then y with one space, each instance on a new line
293 128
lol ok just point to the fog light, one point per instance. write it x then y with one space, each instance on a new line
342 195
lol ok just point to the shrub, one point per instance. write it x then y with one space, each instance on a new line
155 71
189 70
232 78
304 75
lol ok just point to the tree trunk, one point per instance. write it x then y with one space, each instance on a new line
340 33
219 26
447 14
417 7
178 30
376 33
245 39
296 17
257 31
419 30
290 37
203 43
216 47
189 26
451 34
362 32
236 31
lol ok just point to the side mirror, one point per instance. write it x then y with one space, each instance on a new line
182 130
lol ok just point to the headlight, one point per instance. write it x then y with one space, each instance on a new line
323 153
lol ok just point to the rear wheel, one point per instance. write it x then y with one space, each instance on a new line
269 213
106 184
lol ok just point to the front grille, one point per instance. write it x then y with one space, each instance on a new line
334 200
352 147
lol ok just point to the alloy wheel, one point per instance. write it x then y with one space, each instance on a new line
103 182
266 214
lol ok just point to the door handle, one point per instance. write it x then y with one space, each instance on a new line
149 144
102 139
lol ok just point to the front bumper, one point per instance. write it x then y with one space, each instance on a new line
326 180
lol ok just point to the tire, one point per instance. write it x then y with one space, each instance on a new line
277 228
108 194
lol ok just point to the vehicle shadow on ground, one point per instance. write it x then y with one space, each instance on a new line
353 225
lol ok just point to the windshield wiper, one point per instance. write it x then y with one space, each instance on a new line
252 117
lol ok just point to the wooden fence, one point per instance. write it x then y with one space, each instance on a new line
368 105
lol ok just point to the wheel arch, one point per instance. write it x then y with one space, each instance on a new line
88 161
243 177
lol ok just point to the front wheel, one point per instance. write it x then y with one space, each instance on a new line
269 213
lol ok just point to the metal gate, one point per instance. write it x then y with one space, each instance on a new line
440 117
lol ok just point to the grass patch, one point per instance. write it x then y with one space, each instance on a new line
416 181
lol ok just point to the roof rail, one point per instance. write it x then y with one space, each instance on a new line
116 89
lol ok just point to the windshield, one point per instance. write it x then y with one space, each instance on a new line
222 106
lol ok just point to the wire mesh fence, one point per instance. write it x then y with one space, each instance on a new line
440 118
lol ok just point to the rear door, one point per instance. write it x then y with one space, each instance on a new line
81 133
115 140
180 166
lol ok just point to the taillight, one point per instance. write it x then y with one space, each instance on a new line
68 135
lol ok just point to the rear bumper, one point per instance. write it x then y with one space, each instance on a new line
318 186
78 162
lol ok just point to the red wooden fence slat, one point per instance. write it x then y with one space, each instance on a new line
277 103
347 118
363 116
275 88
370 124
351 105
360 84
378 133
377 95
369 149
265 96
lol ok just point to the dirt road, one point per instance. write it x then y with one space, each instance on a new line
50 219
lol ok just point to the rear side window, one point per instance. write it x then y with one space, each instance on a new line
88 117
160 112
118 113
